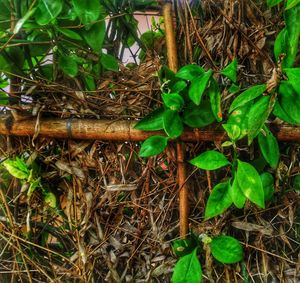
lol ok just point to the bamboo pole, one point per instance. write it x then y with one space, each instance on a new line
181 172
108 130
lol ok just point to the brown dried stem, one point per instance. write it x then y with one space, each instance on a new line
173 65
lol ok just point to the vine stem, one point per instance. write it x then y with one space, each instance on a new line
181 172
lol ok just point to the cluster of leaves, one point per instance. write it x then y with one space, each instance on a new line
28 174
79 35
192 97
224 249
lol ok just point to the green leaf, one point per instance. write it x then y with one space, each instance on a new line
296 183
239 117
172 123
267 181
280 45
258 115
188 269
234 88
183 247
281 114
69 33
33 186
291 3
88 11
250 183
237 196
190 72
109 62
4 99
248 95
153 145
174 101
272 3
210 160
218 201
226 249
233 131
289 101
178 86
22 21
152 122
50 199
198 116
293 75
89 82
47 11
230 71
16 169
68 65
269 147
198 86
215 99
94 37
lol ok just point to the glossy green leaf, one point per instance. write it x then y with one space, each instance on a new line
210 160
272 3
198 87
248 95
269 147
230 71
215 99
178 86
88 11
190 72
109 62
257 116
198 116
68 65
219 200
69 33
267 181
293 75
237 195
47 11
153 145
289 100
281 114
239 117
152 122
172 123
233 131
281 46
94 37
291 3
16 169
188 269
250 183
226 249
174 101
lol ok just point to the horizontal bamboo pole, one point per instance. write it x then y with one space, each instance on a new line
122 130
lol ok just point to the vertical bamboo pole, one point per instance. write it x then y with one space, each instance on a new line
181 172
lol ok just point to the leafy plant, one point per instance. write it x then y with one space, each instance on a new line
192 97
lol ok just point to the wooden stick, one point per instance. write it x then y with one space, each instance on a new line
173 65
106 130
